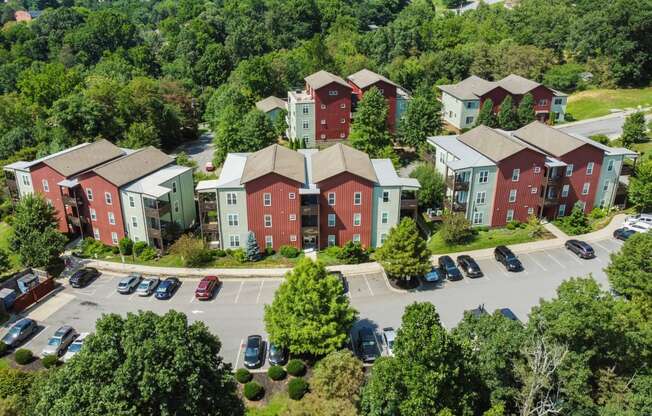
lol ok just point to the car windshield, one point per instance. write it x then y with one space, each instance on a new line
54 341
274 350
202 285
251 351
123 283
162 288
143 285
510 256
15 330
75 347
368 342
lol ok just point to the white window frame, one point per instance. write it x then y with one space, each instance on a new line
267 221
383 238
46 185
562 210
564 190
292 195
534 190
111 217
357 198
589 168
510 215
385 197
323 121
333 93
305 110
293 237
469 119
176 206
611 165
478 218
89 194
331 240
93 214
530 211
356 238
134 222
231 198
114 237
96 233
331 220
569 170
516 175
481 198
357 219
25 179
234 240
132 201
537 169
269 241
305 125
332 199
174 187
585 188
293 217
108 198
483 176
512 195
384 217
342 120
267 199
233 220
323 106
343 105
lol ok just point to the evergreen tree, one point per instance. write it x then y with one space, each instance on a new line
507 116
369 132
404 254
252 250
302 143
486 115
634 129
525 110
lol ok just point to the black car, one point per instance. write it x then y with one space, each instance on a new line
19 332
278 355
254 355
166 288
470 267
367 346
623 233
508 259
507 313
582 249
83 277
449 268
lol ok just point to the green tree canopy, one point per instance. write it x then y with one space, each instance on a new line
634 129
526 110
431 194
404 254
486 116
640 186
507 115
339 375
456 229
421 120
630 270
369 131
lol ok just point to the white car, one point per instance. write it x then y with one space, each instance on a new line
644 218
75 347
147 286
639 226
389 335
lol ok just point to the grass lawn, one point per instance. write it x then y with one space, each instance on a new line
276 406
5 233
172 260
485 239
599 102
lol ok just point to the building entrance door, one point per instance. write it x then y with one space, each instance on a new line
310 242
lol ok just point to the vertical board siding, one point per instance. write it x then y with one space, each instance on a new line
332 113
99 186
55 195
389 92
580 158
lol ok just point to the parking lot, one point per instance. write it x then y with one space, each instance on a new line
236 310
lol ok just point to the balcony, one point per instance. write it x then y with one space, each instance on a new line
209 227
205 205
309 210
72 201
157 210
12 187
309 231
410 204
554 180
550 200
457 184
455 206
75 221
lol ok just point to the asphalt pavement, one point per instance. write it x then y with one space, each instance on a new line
200 150
610 125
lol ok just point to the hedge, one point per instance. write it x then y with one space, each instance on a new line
253 391
50 361
297 387
276 372
24 356
243 375
296 367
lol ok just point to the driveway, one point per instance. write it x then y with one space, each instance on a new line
200 150
611 125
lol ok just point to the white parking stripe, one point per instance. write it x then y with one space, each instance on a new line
192 299
531 257
573 256
237 296
237 358
260 291
555 260
603 247
368 285
36 336
110 295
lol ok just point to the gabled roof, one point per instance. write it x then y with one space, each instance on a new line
550 140
270 103
152 184
322 78
365 78
517 85
274 159
387 175
82 158
466 156
491 143
339 159
133 166
470 88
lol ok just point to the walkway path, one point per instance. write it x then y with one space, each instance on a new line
554 230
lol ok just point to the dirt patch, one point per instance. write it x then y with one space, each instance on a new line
34 365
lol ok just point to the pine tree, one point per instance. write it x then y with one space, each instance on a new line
253 251
404 254
486 115
507 116
302 143
525 110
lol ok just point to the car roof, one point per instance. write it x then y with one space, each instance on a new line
390 334
62 330
23 322
464 257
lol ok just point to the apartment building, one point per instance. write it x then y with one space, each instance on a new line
308 199
461 102
92 186
272 107
493 176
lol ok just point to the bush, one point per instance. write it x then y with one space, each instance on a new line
297 388
333 251
352 253
24 356
455 229
3 349
289 252
513 224
482 229
147 254
115 250
253 391
598 213
243 375
220 253
138 248
276 372
269 251
91 247
239 255
126 246
198 258
50 361
296 368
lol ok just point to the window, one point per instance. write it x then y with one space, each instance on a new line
96 233
176 206
605 188
331 198
516 174
25 179
510 215
89 194
589 168
342 120
305 110
93 215
306 126
472 104
343 105
267 219
537 169
512 195
49 202
293 217
269 241
322 136
323 121
357 219
564 191
174 187
332 92
293 237
530 211
342 135
132 201
114 237
331 240
231 198
331 220
469 119
383 238
108 198
323 106
384 218
234 240
442 157
111 218
477 218
385 196
483 176
562 210
46 185
569 170
356 238
481 198
585 188
582 204
543 102
610 165
357 198
559 101
134 222
534 190
232 220
267 199
292 195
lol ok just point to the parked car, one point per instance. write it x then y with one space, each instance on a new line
167 288
147 286
209 167
254 355
639 227
623 233
83 277
507 313
582 249
505 256
129 283
278 355
389 335
449 268
58 343
434 275
647 218
469 266
367 347
75 347
19 332
206 287
479 311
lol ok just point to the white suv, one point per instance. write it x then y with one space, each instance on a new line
639 226
644 218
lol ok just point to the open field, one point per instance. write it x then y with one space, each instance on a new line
599 102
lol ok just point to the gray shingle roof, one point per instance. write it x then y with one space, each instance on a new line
470 88
339 159
365 78
517 84
83 158
322 78
550 140
494 145
270 103
133 166
274 159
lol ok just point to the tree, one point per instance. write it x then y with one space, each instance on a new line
630 270
309 313
252 250
455 229
132 365
384 391
577 222
640 186
486 116
314 404
526 110
564 77
431 194
36 237
404 254
339 375
634 129
421 120
140 135
369 132
507 116
352 253
5 262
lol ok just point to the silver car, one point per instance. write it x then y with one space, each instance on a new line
129 283
75 347
147 286
58 343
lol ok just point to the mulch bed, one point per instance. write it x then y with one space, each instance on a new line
410 284
35 365
271 387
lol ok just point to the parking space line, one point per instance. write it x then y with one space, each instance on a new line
237 358
36 336
555 260
260 291
368 286
574 257
603 247
531 257
192 298
110 295
237 296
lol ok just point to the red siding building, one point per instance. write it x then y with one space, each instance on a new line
332 97
364 80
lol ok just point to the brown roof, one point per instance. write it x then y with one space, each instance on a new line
84 157
548 139
470 88
338 159
274 159
270 103
365 78
322 78
518 85
491 143
133 166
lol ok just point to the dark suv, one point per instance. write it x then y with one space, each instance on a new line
254 355
508 259
83 277
367 347
470 267
449 268
582 249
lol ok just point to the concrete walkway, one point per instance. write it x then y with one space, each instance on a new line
554 230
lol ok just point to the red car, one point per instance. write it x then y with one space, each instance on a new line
206 287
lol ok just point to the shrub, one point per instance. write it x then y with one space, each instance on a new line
297 388
276 372
126 246
91 247
229 252
198 258
269 251
333 251
147 254
289 252
455 229
598 213
296 367
115 250
50 361
513 224
253 391
239 255
220 253
24 356
352 253
3 348
482 229
138 248
243 375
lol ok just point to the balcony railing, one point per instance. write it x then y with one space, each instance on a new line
457 184
310 230
550 200
76 221
72 201
455 206
209 227
554 180
12 187
309 210
161 209
409 204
